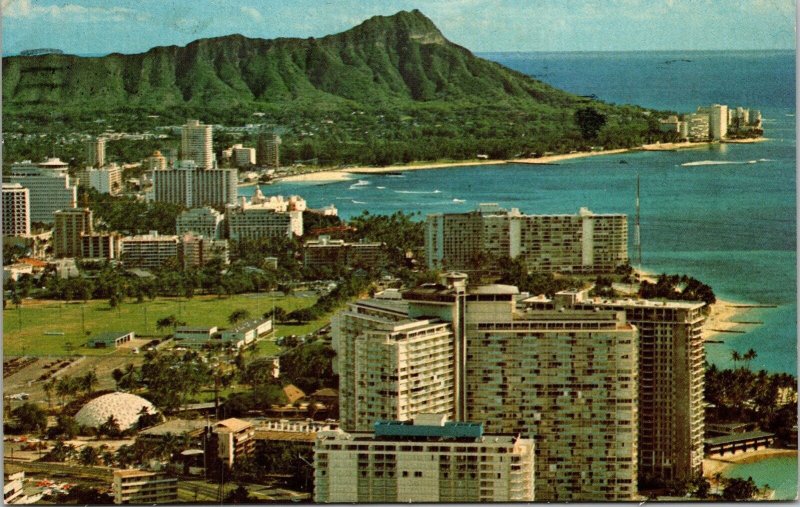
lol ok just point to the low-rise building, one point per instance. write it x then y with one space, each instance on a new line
100 245
245 333
150 250
329 253
144 487
429 460
111 339
195 337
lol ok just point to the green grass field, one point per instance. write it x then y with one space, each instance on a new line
28 325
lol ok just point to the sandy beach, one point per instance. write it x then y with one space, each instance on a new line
712 466
673 146
331 175
746 141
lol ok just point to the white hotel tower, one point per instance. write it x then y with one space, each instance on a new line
196 144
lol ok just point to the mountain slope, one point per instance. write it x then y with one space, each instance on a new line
386 60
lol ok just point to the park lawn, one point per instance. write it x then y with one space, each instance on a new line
28 324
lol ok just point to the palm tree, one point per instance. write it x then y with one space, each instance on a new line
749 356
736 356
89 381
48 388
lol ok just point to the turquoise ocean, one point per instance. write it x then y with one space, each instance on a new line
724 214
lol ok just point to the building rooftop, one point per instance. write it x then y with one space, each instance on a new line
175 427
232 425
293 393
426 428
737 437
494 289
247 325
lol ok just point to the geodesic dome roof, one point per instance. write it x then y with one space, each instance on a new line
125 408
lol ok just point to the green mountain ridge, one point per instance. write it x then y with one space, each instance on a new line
384 60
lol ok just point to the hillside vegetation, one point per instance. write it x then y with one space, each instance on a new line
410 89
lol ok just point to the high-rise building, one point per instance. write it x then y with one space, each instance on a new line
240 156
149 250
192 187
268 153
70 224
697 125
671 375
582 243
16 210
49 187
106 180
391 366
567 379
717 120
431 460
205 221
196 144
96 152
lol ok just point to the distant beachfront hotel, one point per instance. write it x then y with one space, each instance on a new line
49 186
582 243
714 122
264 217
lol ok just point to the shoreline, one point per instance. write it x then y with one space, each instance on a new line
327 175
712 466
720 315
343 174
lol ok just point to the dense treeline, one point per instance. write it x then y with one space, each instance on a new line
741 395
677 287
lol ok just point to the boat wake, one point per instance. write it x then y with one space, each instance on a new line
381 188
723 162
360 183
357 202
459 201
417 192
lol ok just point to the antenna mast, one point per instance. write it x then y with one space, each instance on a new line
637 237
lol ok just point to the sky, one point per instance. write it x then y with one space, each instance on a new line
134 26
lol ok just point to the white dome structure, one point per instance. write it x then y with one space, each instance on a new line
125 408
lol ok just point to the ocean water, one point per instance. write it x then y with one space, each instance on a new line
724 214
780 473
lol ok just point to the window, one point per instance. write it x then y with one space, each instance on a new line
405 473
417 474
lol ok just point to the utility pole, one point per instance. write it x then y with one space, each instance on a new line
83 318
637 230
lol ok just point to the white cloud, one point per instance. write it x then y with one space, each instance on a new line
70 12
252 13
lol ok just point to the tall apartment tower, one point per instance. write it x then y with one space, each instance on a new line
196 144
268 153
671 376
567 379
582 243
96 152
16 210
391 366
70 224
429 460
717 120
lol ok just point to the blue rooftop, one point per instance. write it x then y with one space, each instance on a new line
448 430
